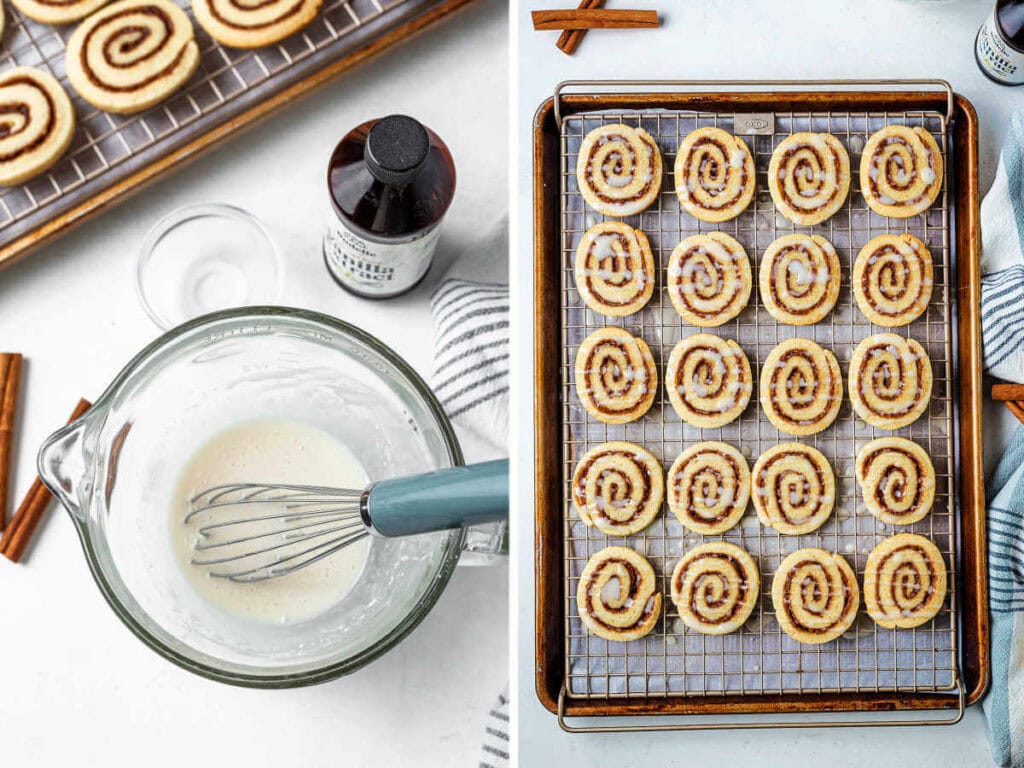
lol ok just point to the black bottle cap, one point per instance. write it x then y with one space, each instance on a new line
396 149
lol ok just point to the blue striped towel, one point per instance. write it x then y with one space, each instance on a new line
1002 299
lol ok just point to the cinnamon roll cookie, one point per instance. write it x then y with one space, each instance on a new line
709 279
617 487
714 173
709 487
708 380
800 277
614 269
617 595
247 24
715 588
57 11
809 177
815 596
801 387
131 55
619 170
616 379
897 479
904 581
892 279
793 488
901 171
890 380
37 122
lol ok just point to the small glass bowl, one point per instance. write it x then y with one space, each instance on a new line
202 258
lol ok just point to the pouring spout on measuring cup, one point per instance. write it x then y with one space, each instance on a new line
64 459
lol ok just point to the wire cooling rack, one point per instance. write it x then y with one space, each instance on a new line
760 658
107 149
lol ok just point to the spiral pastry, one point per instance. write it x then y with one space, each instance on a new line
131 55
615 376
57 11
800 279
37 122
901 171
892 279
253 23
709 487
809 177
709 279
801 387
619 170
890 380
904 581
714 174
617 595
793 488
708 380
897 479
715 588
614 269
618 488
815 596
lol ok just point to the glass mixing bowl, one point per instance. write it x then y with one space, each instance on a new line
115 468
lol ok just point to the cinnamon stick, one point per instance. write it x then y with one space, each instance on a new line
598 18
1006 391
1017 409
10 383
30 512
570 39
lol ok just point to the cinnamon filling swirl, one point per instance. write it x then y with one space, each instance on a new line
801 387
800 277
815 596
890 380
709 487
617 595
904 581
714 175
618 487
793 488
715 588
709 279
616 379
708 380
892 279
897 480
614 269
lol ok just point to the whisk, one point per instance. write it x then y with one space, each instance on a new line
311 522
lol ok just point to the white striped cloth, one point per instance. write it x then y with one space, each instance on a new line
495 750
1002 302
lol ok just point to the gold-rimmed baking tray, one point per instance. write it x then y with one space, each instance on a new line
756 671
113 155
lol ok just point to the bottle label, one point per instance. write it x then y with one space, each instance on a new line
373 268
996 57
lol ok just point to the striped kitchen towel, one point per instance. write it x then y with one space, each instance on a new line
494 752
1002 299
471 344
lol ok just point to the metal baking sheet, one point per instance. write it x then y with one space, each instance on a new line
760 658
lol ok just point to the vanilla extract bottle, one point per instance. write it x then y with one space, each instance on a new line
999 48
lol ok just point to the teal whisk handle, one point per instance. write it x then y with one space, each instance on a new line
438 501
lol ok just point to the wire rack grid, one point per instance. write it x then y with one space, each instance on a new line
107 148
760 658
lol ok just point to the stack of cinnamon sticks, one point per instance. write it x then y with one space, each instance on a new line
18 531
1012 395
590 14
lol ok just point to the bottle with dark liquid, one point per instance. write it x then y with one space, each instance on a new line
1000 45
390 183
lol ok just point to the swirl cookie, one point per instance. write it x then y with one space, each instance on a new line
616 379
57 11
715 588
618 487
617 595
619 170
709 279
809 177
241 24
614 269
714 173
708 380
708 487
904 581
815 596
793 488
800 277
131 55
37 122
892 279
801 387
901 171
897 479
890 380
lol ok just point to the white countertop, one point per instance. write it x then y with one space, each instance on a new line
709 39
78 688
